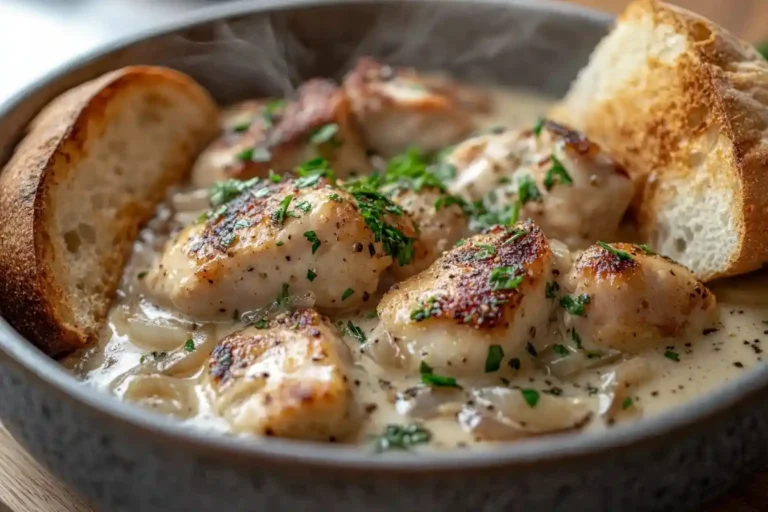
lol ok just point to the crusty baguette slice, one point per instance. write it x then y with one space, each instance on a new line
89 172
683 105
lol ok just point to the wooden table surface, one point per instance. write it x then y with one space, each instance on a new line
25 486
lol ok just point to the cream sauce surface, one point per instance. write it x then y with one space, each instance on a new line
140 356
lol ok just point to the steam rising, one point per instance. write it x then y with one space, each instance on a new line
272 53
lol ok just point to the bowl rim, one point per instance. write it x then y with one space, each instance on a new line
238 450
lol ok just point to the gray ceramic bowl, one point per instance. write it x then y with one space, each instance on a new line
126 459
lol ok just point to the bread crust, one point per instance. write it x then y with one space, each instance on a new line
32 299
718 83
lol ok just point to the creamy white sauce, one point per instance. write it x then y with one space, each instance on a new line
122 361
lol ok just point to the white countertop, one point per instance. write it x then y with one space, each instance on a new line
36 35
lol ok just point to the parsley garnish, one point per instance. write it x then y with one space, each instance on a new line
335 197
270 109
282 299
575 304
669 354
278 216
576 338
304 206
446 201
626 404
325 134
517 234
622 255
274 177
396 437
527 190
514 363
425 311
556 171
224 191
261 323
493 359
561 350
311 275
439 381
551 289
189 346
538 126
531 396
356 332
487 251
311 236
241 224
647 250
347 294
503 278
241 127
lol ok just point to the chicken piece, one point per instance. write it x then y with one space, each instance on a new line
397 109
278 135
440 222
491 290
294 238
625 297
285 378
557 177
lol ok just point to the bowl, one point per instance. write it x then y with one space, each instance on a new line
123 458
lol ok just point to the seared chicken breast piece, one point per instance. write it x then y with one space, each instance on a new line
490 290
440 224
397 109
286 378
625 297
556 176
278 135
301 237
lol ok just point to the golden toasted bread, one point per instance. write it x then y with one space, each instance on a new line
683 105
89 172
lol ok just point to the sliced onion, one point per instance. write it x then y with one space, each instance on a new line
424 402
618 384
565 367
161 393
500 413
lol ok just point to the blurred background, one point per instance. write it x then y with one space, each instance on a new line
36 35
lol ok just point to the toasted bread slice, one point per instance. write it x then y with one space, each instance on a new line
72 198
683 105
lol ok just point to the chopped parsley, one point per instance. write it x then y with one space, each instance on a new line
487 250
531 396
626 404
278 216
411 170
446 201
493 359
335 197
347 294
311 236
270 109
538 126
325 134
261 323
438 381
485 213
576 338
282 299
557 171
356 332
674 356
514 363
622 255
279 243
304 206
517 234
397 437
189 346
460 242
527 190
241 224
504 278
274 177
647 250
575 304
241 127
311 275
425 311
224 191
551 289
561 350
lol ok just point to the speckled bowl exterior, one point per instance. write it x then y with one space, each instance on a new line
122 458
